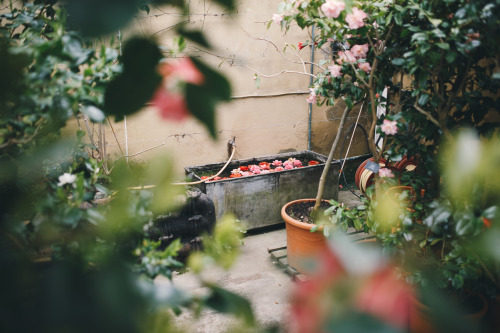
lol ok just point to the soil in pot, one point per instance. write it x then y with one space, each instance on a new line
301 211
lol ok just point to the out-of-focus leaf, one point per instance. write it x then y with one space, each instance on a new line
95 114
97 17
195 35
225 301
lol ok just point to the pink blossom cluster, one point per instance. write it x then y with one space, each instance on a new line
332 8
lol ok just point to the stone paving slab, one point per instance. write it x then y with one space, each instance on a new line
254 276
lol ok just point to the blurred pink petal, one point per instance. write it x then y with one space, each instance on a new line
184 69
171 106
386 297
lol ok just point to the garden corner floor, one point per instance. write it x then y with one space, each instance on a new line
254 276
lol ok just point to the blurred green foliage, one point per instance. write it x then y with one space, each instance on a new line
70 262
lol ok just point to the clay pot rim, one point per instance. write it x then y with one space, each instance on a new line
297 223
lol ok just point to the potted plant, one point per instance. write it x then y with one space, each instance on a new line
429 69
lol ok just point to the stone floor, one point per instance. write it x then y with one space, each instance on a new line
254 276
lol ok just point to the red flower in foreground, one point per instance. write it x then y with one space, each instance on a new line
171 106
386 297
301 46
243 168
381 294
235 175
313 163
204 177
170 102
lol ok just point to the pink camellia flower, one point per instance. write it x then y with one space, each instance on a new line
384 172
386 297
277 18
184 69
312 96
279 169
355 19
335 70
277 163
171 105
254 168
265 171
288 162
246 173
256 171
389 127
288 167
360 51
332 8
346 56
365 66
296 163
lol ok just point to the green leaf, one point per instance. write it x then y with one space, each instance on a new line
423 99
458 281
95 114
196 36
224 301
444 46
96 17
450 57
398 61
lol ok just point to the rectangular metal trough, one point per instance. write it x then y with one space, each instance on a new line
257 200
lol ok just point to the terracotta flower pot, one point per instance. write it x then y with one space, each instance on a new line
420 321
303 246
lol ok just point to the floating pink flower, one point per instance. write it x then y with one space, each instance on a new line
246 173
265 171
277 163
335 70
288 167
389 127
296 163
288 162
365 66
384 172
279 169
332 8
277 18
355 19
360 51
264 165
312 96
255 169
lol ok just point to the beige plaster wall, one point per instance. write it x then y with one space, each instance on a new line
263 121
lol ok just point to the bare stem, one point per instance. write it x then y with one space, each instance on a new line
322 179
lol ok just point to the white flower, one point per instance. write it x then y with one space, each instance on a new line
277 18
66 178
